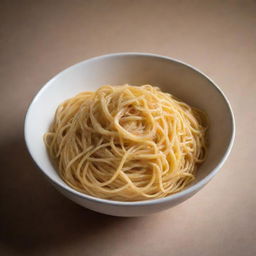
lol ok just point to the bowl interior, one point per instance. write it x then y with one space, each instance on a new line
137 69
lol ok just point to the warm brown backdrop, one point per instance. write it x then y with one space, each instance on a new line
41 38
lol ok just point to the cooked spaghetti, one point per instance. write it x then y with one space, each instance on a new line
127 143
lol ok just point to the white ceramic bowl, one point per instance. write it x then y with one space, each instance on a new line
176 77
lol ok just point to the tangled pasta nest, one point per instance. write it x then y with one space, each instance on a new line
127 143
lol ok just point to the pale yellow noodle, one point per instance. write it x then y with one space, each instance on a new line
127 143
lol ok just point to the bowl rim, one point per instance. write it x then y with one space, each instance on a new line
187 191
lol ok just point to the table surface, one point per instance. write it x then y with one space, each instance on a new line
40 38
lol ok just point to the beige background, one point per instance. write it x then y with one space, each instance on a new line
41 38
